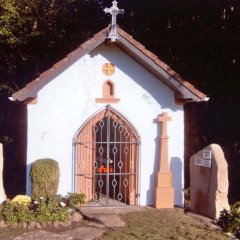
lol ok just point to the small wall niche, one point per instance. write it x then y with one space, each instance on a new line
108 93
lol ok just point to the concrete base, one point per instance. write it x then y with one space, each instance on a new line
164 192
164 197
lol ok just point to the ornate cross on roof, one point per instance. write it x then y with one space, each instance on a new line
114 11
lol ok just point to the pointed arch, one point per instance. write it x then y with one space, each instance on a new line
107 158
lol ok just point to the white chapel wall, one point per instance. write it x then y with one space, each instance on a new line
69 100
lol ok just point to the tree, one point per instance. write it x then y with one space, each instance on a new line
33 31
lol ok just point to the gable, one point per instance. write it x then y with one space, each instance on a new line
85 79
184 91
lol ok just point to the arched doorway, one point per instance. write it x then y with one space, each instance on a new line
107 160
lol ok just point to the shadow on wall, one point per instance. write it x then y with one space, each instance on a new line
176 169
14 128
152 182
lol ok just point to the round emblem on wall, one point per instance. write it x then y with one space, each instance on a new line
108 69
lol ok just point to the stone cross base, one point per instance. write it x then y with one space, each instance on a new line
164 192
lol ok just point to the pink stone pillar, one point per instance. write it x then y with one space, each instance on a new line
163 190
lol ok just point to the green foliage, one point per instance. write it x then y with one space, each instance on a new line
50 209
76 199
45 178
229 221
15 213
187 202
22 20
45 209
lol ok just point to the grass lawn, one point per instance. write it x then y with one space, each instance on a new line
162 224
149 224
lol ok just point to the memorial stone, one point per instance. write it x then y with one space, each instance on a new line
209 182
2 191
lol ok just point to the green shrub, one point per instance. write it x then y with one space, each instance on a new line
45 177
50 209
46 209
76 199
15 213
229 221
187 202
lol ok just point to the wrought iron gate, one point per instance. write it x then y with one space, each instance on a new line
107 153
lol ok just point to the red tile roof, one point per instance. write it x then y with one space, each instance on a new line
182 88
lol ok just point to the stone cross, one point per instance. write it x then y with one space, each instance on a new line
114 11
164 118
163 165
163 190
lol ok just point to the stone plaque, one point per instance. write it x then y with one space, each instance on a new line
207 154
209 181
198 161
2 192
207 163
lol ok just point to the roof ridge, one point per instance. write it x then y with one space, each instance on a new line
32 88
160 63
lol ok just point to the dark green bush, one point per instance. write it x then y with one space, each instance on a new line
45 177
229 221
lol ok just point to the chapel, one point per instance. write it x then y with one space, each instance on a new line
111 113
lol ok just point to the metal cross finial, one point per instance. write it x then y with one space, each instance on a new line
114 11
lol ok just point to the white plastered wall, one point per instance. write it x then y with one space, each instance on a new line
68 101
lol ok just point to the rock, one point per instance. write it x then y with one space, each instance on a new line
44 225
41 235
76 216
209 182
65 224
112 221
39 225
20 225
84 233
32 225
49 223
56 224
203 219
229 234
24 225
213 227
2 224
14 226
107 221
